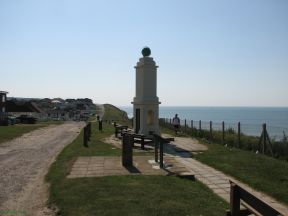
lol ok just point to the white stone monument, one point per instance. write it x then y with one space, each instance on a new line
146 103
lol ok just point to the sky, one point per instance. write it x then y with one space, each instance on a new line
209 53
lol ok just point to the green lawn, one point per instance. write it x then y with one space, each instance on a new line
261 172
136 195
12 131
114 114
124 195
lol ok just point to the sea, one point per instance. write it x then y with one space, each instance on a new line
250 118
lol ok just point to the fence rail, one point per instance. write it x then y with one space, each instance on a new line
237 135
275 133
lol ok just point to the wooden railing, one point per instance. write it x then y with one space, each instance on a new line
253 204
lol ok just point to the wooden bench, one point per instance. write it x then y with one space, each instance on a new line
138 138
159 142
253 204
142 139
119 129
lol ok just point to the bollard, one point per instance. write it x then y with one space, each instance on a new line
264 138
185 126
239 135
116 132
161 155
156 146
88 131
142 142
85 140
127 150
100 125
223 132
211 134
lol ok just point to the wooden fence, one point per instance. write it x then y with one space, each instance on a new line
264 144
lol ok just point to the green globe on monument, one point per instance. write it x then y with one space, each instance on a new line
146 51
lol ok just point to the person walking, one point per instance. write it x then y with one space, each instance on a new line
176 123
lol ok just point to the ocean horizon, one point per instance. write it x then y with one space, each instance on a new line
251 118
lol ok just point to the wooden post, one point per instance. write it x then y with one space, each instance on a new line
100 125
239 135
185 127
264 138
156 146
211 135
127 150
89 130
192 124
142 142
85 138
223 132
116 132
161 154
234 200
200 125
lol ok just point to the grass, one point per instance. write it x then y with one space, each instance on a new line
261 172
12 131
137 195
124 195
114 114
247 142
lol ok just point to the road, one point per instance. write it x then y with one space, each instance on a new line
24 163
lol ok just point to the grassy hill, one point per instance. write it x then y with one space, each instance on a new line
113 113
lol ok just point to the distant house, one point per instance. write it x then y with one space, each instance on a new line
18 108
3 114
58 114
3 99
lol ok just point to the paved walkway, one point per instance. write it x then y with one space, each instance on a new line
97 166
217 181
107 166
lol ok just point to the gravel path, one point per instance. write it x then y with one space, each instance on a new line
24 162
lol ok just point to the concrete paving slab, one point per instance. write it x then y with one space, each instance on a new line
104 166
217 181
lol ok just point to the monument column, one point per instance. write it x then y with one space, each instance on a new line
146 103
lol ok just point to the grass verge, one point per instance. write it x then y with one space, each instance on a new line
13 131
124 195
261 172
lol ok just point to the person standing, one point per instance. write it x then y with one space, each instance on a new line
176 123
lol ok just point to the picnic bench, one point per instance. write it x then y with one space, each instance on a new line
159 145
254 205
119 129
137 138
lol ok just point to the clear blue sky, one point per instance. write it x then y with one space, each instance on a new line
210 53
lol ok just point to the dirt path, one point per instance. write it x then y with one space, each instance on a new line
24 162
